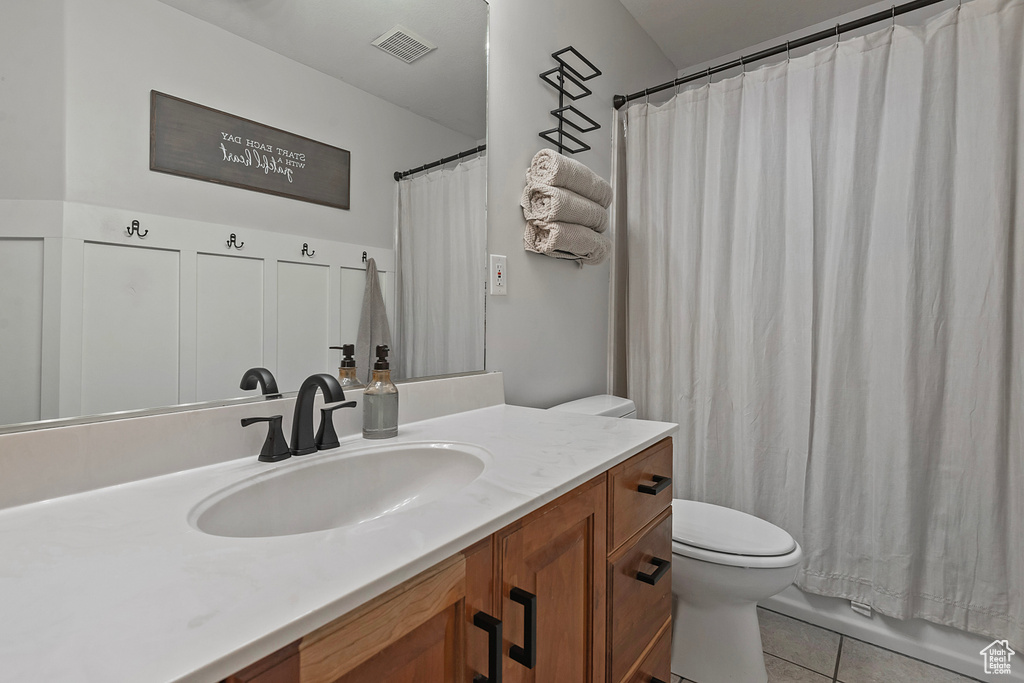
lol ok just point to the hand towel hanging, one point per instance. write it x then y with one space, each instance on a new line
373 323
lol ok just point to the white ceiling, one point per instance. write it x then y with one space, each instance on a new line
690 32
448 85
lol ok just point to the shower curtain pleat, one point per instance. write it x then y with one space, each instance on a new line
826 283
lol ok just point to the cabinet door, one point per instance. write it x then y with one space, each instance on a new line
557 555
427 654
412 634
479 598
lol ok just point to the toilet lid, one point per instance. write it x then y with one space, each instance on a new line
724 530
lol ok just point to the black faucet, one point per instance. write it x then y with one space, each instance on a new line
268 385
303 440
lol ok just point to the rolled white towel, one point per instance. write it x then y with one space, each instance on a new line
551 168
567 241
555 204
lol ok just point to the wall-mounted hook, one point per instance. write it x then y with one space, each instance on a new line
134 229
364 257
306 251
233 243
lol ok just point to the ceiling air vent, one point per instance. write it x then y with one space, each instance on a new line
404 44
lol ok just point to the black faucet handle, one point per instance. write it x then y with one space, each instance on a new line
326 437
275 448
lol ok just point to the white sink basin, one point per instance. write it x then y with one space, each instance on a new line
316 492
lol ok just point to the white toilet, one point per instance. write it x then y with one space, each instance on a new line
723 562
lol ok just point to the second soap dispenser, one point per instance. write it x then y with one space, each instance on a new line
380 401
347 370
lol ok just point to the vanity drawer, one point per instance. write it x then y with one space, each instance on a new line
657 664
639 489
640 582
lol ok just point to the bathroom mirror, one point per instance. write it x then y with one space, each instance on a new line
123 288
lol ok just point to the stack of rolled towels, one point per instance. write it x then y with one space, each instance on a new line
566 209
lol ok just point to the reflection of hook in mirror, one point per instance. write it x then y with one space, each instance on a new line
306 251
134 229
233 243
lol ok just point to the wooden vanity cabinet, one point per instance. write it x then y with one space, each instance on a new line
581 586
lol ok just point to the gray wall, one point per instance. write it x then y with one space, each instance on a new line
32 100
550 334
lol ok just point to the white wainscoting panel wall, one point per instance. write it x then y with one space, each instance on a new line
229 323
21 328
95 320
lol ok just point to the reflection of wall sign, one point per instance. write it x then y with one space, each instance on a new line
194 141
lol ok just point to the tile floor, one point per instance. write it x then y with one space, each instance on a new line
797 652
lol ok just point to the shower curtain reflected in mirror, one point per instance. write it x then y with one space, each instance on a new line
826 277
442 237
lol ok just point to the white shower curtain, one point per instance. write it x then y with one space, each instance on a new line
826 291
442 234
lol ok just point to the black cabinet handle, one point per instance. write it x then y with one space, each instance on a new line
662 568
493 628
527 654
660 484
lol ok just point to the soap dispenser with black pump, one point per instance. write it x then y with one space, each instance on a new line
347 370
380 401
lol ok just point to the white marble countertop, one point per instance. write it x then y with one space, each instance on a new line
115 585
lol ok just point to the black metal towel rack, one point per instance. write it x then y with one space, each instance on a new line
440 162
568 81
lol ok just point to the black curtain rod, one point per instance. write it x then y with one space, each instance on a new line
440 162
839 29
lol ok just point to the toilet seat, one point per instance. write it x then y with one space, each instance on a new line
720 535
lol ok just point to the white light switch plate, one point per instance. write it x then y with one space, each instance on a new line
499 278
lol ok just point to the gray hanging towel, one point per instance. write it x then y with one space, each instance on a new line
373 324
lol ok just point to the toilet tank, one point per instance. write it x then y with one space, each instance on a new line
605 404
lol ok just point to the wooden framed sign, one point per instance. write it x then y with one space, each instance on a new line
194 141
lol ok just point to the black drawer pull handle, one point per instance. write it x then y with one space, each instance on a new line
527 654
653 578
660 484
493 628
